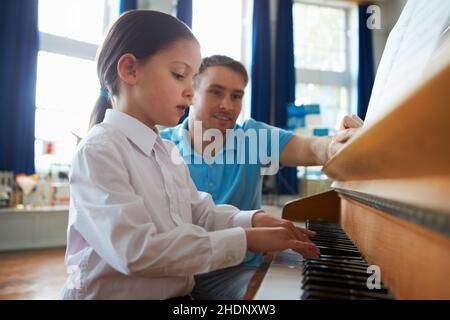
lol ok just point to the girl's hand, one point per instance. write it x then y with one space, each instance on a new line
278 239
261 219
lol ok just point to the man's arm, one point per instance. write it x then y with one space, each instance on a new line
309 151
305 151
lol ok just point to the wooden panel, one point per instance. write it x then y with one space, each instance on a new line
414 262
324 205
426 192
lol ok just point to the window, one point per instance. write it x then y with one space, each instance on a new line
67 85
324 49
225 28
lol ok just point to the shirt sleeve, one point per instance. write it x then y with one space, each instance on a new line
113 220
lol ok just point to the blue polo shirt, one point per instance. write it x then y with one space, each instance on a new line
235 175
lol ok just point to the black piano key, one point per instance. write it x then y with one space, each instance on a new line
337 270
336 264
339 257
324 295
342 276
340 283
333 241
340 272
361 294
334 251
335 246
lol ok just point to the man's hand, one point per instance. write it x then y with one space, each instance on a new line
349 126
263 220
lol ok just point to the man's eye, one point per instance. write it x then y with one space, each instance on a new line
177 76
236 97
216 93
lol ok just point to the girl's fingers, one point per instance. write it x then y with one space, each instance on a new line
308 232
307 250
298 234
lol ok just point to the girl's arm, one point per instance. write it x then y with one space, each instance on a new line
113 220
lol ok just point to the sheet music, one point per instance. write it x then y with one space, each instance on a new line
407 53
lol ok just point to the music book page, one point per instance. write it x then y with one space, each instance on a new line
407 54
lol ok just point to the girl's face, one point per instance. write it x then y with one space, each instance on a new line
163 87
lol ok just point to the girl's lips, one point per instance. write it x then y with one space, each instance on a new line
182 109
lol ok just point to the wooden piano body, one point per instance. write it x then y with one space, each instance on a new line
391 194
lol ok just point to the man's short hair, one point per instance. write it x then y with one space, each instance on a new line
223 61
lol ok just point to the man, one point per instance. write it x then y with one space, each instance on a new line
228 160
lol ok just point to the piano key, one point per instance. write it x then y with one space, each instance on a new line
356 266
342 276
362 294
339 257
331 245
332 251
340 283
323 295
334 269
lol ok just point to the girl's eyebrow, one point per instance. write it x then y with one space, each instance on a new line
184 63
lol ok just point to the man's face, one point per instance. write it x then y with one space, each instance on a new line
218 98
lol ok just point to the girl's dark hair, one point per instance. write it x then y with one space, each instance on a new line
141 33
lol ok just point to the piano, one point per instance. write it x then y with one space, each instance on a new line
387 214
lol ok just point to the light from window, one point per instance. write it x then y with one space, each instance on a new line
79 20
67 86
217 24
322 52
330 98
319 37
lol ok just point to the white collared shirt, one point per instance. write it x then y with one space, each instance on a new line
138 227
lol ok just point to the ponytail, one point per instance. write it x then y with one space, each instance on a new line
98 114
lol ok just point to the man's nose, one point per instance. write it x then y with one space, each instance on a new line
226 103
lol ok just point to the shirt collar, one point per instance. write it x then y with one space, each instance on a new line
141 135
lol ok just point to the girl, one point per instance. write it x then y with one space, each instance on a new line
138 228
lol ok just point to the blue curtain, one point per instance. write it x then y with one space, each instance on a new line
18 65
260 70
366 68
184 13
287 182
126 5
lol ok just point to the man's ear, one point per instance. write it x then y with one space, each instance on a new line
126 68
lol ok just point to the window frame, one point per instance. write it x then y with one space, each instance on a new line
60 45
347 78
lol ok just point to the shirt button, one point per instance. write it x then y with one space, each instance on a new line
211 184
